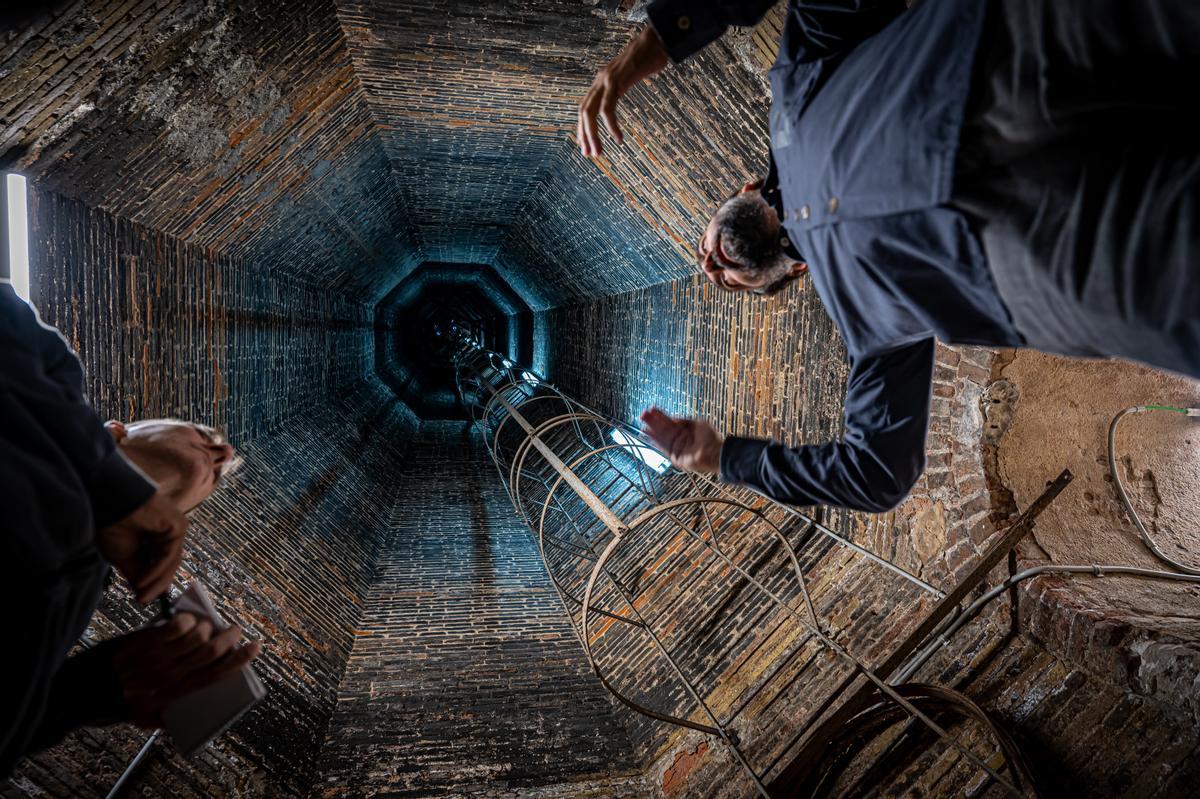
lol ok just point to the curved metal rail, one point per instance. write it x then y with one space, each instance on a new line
679 587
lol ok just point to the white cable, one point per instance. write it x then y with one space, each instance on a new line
1133 514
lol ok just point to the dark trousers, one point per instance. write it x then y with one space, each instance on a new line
1080 167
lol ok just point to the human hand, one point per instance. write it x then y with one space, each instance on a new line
691 444
642 56
159 664
146 546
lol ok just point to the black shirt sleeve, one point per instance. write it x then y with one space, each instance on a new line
814 29
39 370
686 26
85 693
877 461
60 477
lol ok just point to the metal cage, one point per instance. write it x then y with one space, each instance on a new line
709 607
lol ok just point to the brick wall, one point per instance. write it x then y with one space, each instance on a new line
348 142
263 172
239 127
165 328
488 163
286 546
693 136
774 367
471 100
465 676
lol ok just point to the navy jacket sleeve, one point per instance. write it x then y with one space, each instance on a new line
814 29
39 370
878 459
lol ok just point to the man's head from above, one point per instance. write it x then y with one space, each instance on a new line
186 460
742 248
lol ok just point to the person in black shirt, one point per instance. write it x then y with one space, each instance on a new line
78 496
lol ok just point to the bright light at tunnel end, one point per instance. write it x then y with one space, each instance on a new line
641 451
18 236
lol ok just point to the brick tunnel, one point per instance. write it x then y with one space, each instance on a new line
260 216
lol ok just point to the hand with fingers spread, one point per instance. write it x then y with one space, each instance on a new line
691 444
643 56
146 546
159 664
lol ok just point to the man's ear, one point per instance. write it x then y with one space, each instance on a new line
116 430
797 268
753 186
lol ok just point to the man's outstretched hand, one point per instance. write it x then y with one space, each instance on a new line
146 546
642 57
692 445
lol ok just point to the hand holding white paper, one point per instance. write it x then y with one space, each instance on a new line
197 718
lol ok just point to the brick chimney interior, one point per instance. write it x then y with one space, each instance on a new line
251 214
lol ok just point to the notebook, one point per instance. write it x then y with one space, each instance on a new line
197 718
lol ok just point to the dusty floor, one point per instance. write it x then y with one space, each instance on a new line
1060 420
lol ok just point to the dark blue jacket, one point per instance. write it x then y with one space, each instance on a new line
868 105
61 478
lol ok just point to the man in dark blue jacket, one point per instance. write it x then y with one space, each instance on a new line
76 496
1007 173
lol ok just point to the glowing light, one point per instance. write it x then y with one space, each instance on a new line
18 236
507 363
641 451
530 377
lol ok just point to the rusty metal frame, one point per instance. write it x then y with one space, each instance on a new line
559 450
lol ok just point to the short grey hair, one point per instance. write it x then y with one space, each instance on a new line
213 434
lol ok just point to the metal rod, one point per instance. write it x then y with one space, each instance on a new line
127 774
1018 530
575 461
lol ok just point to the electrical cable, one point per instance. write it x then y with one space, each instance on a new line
1147 539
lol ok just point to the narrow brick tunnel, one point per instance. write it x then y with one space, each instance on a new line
262 216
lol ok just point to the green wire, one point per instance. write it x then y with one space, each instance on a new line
1165 408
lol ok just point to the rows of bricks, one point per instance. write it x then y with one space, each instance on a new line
347 144
773 368
238 127
693 135
1082 734
466 678
1123 649
476 109
472 100
165 329
284 548
286 545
